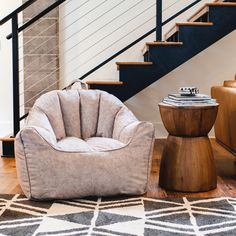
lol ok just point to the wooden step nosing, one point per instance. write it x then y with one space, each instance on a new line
203 24
222 4
163 43
91 82
133 63
7 139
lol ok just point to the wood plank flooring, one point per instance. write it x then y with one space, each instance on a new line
225 164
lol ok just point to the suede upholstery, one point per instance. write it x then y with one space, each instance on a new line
79 143
225 125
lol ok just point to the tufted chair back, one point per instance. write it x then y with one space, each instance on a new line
80 113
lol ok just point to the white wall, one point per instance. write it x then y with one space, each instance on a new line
210 67
6 69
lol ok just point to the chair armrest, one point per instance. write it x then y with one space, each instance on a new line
127 127
138 131
139 137
220 92
123 119
38 121
31 143
42 133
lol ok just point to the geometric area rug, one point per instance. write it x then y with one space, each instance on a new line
118 216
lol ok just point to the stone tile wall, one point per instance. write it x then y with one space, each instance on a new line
40 52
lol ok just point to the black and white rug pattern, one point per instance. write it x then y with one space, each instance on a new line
120 216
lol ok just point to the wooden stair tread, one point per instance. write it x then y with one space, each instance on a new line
90 82
230 4
134 63
7 139
194 24
164 43
175 29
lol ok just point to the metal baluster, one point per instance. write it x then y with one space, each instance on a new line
159 20
15 74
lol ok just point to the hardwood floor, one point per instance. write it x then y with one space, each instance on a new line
225 164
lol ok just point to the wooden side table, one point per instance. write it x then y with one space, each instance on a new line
187 163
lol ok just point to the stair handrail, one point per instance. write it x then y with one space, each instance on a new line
37 17
17 11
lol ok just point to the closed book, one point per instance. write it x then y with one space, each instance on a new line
186 104
193 98
190 101
190 105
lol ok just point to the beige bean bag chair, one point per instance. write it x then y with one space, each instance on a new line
79 143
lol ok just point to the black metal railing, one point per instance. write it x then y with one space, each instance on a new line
15 62
15 37
15 52
159 20
17 11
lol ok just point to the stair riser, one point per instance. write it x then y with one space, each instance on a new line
174 37
173 55
173 58
8 149
196 39
134 78
203 18
112 88
219 16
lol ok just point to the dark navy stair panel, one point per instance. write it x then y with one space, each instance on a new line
168 57
224 19
130 88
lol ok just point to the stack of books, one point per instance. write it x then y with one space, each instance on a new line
186 100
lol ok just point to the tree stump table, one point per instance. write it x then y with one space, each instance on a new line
187 162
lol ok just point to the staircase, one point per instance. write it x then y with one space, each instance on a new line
182 42
186 39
